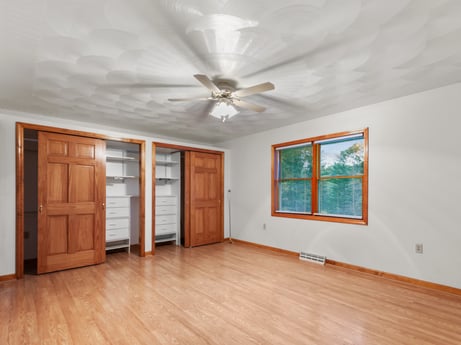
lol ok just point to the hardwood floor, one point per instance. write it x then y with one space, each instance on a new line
222 294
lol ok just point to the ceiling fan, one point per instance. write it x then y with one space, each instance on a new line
227 97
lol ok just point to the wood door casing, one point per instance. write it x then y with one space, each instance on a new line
71 196
205 198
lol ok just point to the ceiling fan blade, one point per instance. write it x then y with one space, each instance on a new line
242 104
207 83
254 89
155 85
189 99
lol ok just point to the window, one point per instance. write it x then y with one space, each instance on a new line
323 178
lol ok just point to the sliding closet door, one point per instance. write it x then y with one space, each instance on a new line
71 196
205 195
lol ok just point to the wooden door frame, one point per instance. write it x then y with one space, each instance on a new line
187 150
20 128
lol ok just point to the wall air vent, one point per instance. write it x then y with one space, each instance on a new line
318 259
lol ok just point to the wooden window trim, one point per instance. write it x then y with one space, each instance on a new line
316 177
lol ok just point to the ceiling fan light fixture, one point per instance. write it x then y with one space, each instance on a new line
223 111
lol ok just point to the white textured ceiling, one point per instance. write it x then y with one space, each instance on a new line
116 62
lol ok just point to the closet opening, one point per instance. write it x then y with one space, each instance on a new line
169 196
117 225
122 196
188 196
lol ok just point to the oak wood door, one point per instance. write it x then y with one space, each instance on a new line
206 196
71 196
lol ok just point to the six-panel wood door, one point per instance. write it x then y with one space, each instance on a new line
206 193
71 197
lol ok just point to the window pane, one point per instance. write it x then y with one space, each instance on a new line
295 196
296 162
342 158
341 196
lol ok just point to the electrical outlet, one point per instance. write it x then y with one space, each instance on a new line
419 248
264 226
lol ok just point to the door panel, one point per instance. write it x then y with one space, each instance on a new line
199 189
82 183
57 148
57 235
85 151
57 183
199 223
71 195
81 233
213 187
206 193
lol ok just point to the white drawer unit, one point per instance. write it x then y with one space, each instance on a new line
166 218
118 222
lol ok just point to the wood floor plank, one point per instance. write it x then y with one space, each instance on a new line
222 294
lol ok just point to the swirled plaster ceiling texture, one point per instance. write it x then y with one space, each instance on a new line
116 62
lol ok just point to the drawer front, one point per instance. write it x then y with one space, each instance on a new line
117 202
165 229
118 234
168 209
165 200
117 223
168 219
114 212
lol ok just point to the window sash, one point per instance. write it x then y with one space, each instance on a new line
304 174
347 197
302 204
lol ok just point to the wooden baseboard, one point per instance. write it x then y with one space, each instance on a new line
148 253
7 277
386 275
397 277
262 246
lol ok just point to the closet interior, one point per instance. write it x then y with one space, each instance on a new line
169 192
122 195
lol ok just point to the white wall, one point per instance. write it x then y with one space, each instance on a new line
414 189
8 175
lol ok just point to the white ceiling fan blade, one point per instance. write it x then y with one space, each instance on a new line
207 83
254 89
242 104
189 99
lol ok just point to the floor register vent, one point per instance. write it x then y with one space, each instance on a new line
318 259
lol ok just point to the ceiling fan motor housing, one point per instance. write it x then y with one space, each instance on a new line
227 86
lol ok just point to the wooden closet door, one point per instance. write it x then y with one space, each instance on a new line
71 197
206 194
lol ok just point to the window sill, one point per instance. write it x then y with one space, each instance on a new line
310 216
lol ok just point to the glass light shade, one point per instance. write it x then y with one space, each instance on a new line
223 111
